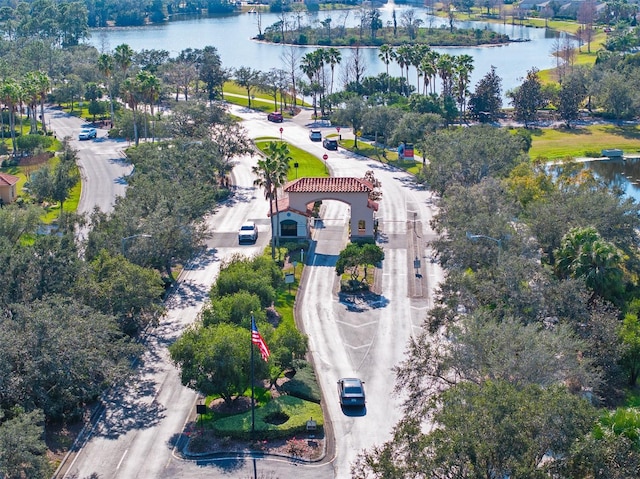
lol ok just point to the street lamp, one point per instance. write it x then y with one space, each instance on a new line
473 237
126 238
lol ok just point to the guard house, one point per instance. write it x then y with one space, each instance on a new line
8 188
295 208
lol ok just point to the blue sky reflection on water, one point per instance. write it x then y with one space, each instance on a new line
624 174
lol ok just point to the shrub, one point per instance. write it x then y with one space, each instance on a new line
304 384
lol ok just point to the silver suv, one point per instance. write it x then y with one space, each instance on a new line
248 233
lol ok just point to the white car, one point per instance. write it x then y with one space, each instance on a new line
248 233
87 133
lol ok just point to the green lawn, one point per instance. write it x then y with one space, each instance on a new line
308 164
579 142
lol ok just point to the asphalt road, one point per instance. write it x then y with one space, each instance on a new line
140 427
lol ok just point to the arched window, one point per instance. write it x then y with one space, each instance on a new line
289 228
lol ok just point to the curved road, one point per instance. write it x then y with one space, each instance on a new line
141 425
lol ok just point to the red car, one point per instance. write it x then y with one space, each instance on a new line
275 117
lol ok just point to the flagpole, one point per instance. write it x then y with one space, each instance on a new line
253 405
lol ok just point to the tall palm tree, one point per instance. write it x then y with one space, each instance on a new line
445 70
272 173
463 66
386 54
333 57
430 69
310 65
123 57
10 95
30 90
131 94
149 87
106 65
402 59
44 85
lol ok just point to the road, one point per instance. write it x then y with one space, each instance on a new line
137 434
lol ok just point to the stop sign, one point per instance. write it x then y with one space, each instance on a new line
281 129
338 129
325 157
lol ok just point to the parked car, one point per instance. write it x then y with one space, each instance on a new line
248 233
351 392
315 135
330 144
87 134
275 117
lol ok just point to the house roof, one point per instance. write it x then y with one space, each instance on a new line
329 185
8 180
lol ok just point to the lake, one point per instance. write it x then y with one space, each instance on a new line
231 35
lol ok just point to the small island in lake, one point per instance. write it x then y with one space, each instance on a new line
366 35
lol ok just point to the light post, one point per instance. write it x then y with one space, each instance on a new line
473 237
126 238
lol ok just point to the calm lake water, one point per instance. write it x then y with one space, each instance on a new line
232 34
624 174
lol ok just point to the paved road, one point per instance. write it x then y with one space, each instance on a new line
101 161
141 425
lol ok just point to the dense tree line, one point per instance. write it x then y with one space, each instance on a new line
535 325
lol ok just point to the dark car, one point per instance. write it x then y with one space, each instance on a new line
330 144
351 392
275 117
315 135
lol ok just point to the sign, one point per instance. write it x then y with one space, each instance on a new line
408 150
289 278
281 129
325 157
201 409
338 129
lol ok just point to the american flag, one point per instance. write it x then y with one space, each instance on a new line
258 340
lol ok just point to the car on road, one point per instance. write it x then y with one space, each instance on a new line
87 133
351 392
330 144
248 233
275 117
315 135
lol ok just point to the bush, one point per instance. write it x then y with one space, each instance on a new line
304 384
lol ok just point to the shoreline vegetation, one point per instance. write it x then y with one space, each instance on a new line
352 37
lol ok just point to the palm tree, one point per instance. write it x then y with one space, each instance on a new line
584 254
445 70
10 96
402 56
30 90
149 86
131 94
105 66
272 173
430 69
310 65
123 57
333 58
44 85
386 54
463 66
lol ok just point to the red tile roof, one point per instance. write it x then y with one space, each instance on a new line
8 180
283 205
329 185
